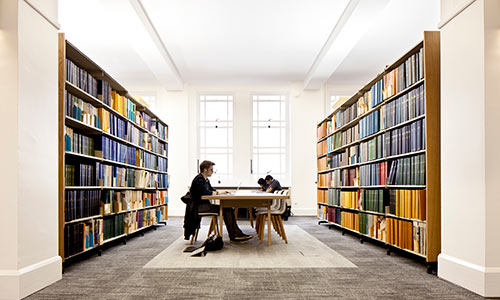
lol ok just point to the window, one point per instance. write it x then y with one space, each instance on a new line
151 101
216 134
270 137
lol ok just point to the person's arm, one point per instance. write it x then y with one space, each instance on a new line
269 189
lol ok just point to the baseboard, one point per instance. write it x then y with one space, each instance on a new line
478 279
304 212
17 284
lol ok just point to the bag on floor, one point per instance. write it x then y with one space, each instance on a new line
213 243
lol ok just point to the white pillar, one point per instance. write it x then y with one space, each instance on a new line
29 257
470 145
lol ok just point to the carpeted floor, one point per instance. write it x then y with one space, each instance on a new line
119 274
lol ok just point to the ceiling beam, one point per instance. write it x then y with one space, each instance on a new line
350 28
166 71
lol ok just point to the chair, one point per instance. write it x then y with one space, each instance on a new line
277 209
214 227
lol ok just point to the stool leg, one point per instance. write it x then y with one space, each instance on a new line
280 221
250 212
210 229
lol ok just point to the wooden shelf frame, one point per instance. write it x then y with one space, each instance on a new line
431 85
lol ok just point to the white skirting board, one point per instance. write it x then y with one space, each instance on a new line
17 284
481 280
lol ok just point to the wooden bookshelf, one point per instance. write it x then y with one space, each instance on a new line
136 129
400 117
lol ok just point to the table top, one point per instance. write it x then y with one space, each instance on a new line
246 195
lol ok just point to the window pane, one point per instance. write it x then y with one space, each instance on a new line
216 111
269 111
269 137
216 137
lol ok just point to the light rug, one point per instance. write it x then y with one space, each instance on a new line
302 251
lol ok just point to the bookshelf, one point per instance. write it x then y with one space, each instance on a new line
113 158
378 157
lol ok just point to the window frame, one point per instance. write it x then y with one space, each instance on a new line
284 177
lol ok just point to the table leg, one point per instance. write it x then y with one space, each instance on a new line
221 220
269 224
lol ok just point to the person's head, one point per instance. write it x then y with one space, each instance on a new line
207 168
261 182
269 179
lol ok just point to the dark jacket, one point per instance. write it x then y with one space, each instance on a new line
199 187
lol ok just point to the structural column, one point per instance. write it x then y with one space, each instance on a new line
29 257
470 145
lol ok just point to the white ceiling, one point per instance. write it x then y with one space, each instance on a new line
397 29
235 41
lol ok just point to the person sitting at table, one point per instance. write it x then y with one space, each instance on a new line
263 184
201 187
272 184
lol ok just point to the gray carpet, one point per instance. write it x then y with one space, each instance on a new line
302 251
119 274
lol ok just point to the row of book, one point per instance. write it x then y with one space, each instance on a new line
406 139
349 220
345 116
81 78
372 226
98 174
373 200
373 174
118 201
162 130
141 218
404 108
80 175
81 204
322 130
113 226
322 147
369 124
342 138
407 234
113 176
100 117
408 203
373 97
78 143
330 214
344 177
79 237
82 111
372 149
404 234
349 199
322 163
407 171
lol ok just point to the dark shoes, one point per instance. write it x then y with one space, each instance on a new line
241 238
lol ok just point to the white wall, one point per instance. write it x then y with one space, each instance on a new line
179 110
29 259
470 143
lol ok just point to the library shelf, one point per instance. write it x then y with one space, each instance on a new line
413 80
112 239
96 96
386 244
83 219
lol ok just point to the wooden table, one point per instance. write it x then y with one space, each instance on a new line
247 199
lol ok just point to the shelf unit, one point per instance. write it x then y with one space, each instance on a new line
149 130
429 83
